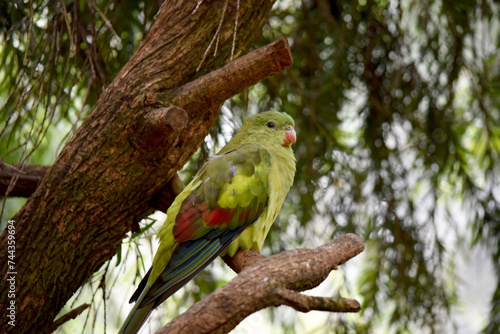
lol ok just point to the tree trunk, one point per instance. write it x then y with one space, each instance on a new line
104 178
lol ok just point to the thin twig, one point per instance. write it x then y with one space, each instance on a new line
68 316
214 38
235 28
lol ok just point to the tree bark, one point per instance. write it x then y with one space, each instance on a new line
101 183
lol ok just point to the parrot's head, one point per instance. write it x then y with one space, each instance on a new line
267 128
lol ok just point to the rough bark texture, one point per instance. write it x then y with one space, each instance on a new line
104 178
272 281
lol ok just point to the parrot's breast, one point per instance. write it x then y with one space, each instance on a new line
281 174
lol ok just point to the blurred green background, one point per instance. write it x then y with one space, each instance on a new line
397 114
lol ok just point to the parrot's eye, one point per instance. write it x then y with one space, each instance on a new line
271 125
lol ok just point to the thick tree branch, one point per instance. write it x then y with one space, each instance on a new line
273 281
216 87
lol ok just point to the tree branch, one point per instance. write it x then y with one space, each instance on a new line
306 303
68 316
216 87
272 281
20 181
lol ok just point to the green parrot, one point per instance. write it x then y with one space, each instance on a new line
230 204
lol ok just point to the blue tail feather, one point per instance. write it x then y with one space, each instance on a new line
187 260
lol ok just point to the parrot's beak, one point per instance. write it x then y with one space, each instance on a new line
290 135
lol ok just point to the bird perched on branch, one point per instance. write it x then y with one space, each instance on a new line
230 204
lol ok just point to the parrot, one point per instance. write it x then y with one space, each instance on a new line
230 204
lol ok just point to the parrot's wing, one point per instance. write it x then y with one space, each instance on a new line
232 194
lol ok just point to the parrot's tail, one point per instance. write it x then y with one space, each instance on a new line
136 318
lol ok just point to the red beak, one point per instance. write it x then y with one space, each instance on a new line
290 135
